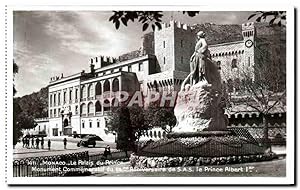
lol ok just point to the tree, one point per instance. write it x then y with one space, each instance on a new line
120 123
15 71
16 110
153 18
21 118
138 120
128 123
263 87
274 17
160 117
147 18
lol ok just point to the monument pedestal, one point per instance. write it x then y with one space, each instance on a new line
200 148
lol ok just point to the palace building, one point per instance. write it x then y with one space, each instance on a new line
77 102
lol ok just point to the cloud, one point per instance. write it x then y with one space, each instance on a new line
34 70
47 43
86 33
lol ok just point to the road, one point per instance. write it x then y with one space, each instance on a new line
57 148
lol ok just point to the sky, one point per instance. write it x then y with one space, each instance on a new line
48 43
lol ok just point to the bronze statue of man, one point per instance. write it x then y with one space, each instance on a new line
197 61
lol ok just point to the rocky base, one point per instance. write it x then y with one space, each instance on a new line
200 108
162 162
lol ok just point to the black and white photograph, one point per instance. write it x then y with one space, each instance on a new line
115 93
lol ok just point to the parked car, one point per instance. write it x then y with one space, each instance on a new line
89 140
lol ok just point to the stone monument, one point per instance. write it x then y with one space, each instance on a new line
201 136
200 104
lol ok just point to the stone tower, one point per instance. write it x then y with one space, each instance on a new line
174 44
249 34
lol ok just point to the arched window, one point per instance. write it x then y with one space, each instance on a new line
90 91
106 105
98 107
106 86
90 108
159 134
234 63
98 89
83 92
83 109
154 134
115 85
150 134
164 134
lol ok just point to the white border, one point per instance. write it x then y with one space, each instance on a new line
289 179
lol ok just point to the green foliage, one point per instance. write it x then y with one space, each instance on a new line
147 18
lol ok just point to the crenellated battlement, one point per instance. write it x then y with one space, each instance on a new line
248 26
177 24
102 61
106 59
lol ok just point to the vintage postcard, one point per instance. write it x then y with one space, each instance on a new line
150 95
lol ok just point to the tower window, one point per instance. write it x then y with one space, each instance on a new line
233 64
141 67
91 125
83 125
219 65
164 60
98 124
164 44
248 61
96 59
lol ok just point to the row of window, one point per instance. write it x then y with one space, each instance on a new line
89 108
233 63
90 124
86 92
